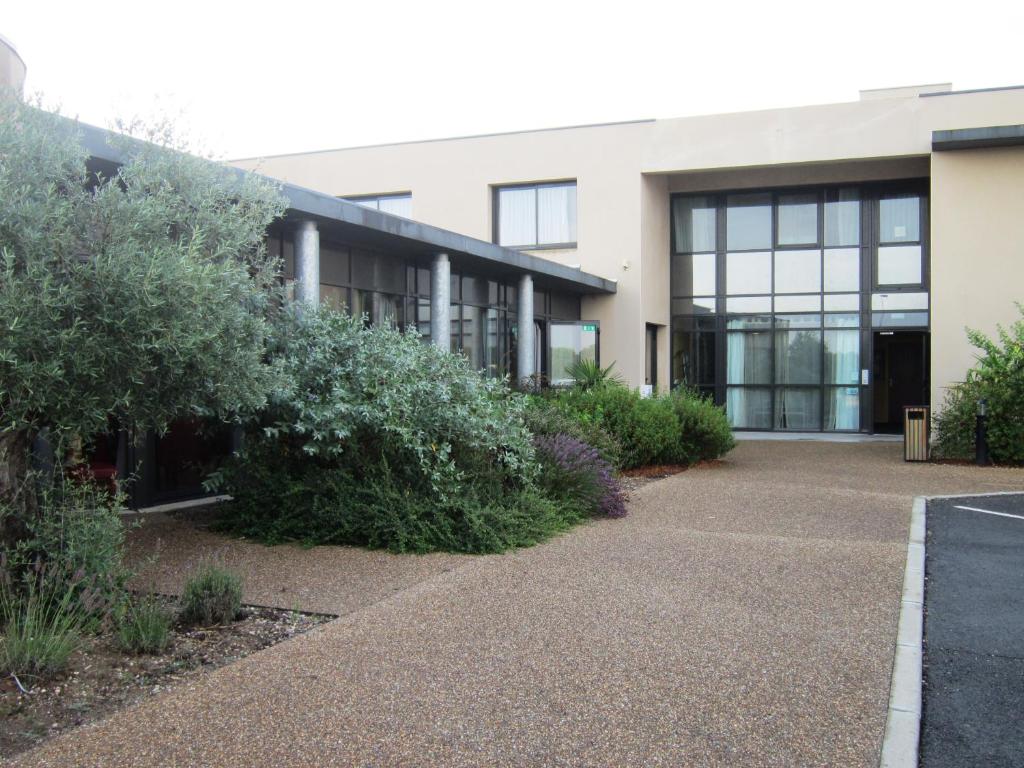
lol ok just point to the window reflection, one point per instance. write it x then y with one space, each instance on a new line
748 220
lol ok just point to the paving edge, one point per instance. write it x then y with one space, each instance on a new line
901 742
175 506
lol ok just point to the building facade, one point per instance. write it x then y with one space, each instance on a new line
510 313
813 269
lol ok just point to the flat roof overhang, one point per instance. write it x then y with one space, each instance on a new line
978 138
351 223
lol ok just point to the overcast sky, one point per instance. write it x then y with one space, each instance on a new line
253 78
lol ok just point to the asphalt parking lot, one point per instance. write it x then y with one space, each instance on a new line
974 633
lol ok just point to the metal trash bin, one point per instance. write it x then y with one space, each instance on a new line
915 432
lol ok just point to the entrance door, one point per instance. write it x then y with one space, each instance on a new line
900 369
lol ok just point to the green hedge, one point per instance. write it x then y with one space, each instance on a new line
680 427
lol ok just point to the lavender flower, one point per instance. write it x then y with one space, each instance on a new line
577 471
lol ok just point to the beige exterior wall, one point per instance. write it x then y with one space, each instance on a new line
626 173
12 68
977 254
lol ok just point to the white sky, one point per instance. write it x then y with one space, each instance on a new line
255 78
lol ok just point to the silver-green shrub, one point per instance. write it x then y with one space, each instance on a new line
126 300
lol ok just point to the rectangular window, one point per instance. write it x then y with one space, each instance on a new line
747 273
794 280
842 217
749 358
693 274
797 357
749 407
899 218
397 204
798 271
536 215
694 224
798 219
900 265
842 269
798 408
748 222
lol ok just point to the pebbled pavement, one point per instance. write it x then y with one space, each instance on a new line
743 614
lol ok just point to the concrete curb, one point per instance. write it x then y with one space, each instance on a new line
903 725
174 506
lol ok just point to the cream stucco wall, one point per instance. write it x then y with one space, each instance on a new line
626 173
977 253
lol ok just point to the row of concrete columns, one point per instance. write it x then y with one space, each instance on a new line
307 293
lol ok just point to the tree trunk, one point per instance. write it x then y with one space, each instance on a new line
18 497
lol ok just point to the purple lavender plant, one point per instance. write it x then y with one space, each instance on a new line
576 471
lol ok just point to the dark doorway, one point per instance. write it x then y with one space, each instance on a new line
900 368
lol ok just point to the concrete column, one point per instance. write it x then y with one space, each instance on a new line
526 336
307 263
441 302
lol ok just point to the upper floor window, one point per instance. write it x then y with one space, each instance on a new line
536 215
397 204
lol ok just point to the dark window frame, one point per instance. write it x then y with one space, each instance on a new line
869 194
496 190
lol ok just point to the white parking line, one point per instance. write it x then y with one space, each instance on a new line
989 512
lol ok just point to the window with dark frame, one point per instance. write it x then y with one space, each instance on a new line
396 203
771 292
531 216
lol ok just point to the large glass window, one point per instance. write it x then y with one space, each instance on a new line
536 215
798 357
798 219
749 407
749 358
899 219
899 265
798 272
804 282
842 269
842 217
798 408
694 224
749 272
693 274
748 222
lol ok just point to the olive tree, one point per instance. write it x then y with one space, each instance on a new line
126 300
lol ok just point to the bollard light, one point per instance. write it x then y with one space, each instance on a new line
981 457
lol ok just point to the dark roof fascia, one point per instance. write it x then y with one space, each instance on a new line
978 138
303 202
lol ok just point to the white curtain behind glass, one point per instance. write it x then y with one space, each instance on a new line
556 215
736 397
843 360
899 219
517 216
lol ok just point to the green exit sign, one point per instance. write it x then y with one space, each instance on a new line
590 327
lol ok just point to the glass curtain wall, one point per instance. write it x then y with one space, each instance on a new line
767 287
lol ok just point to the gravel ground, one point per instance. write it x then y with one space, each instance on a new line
743 614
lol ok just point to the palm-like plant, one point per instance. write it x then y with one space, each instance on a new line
587 374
